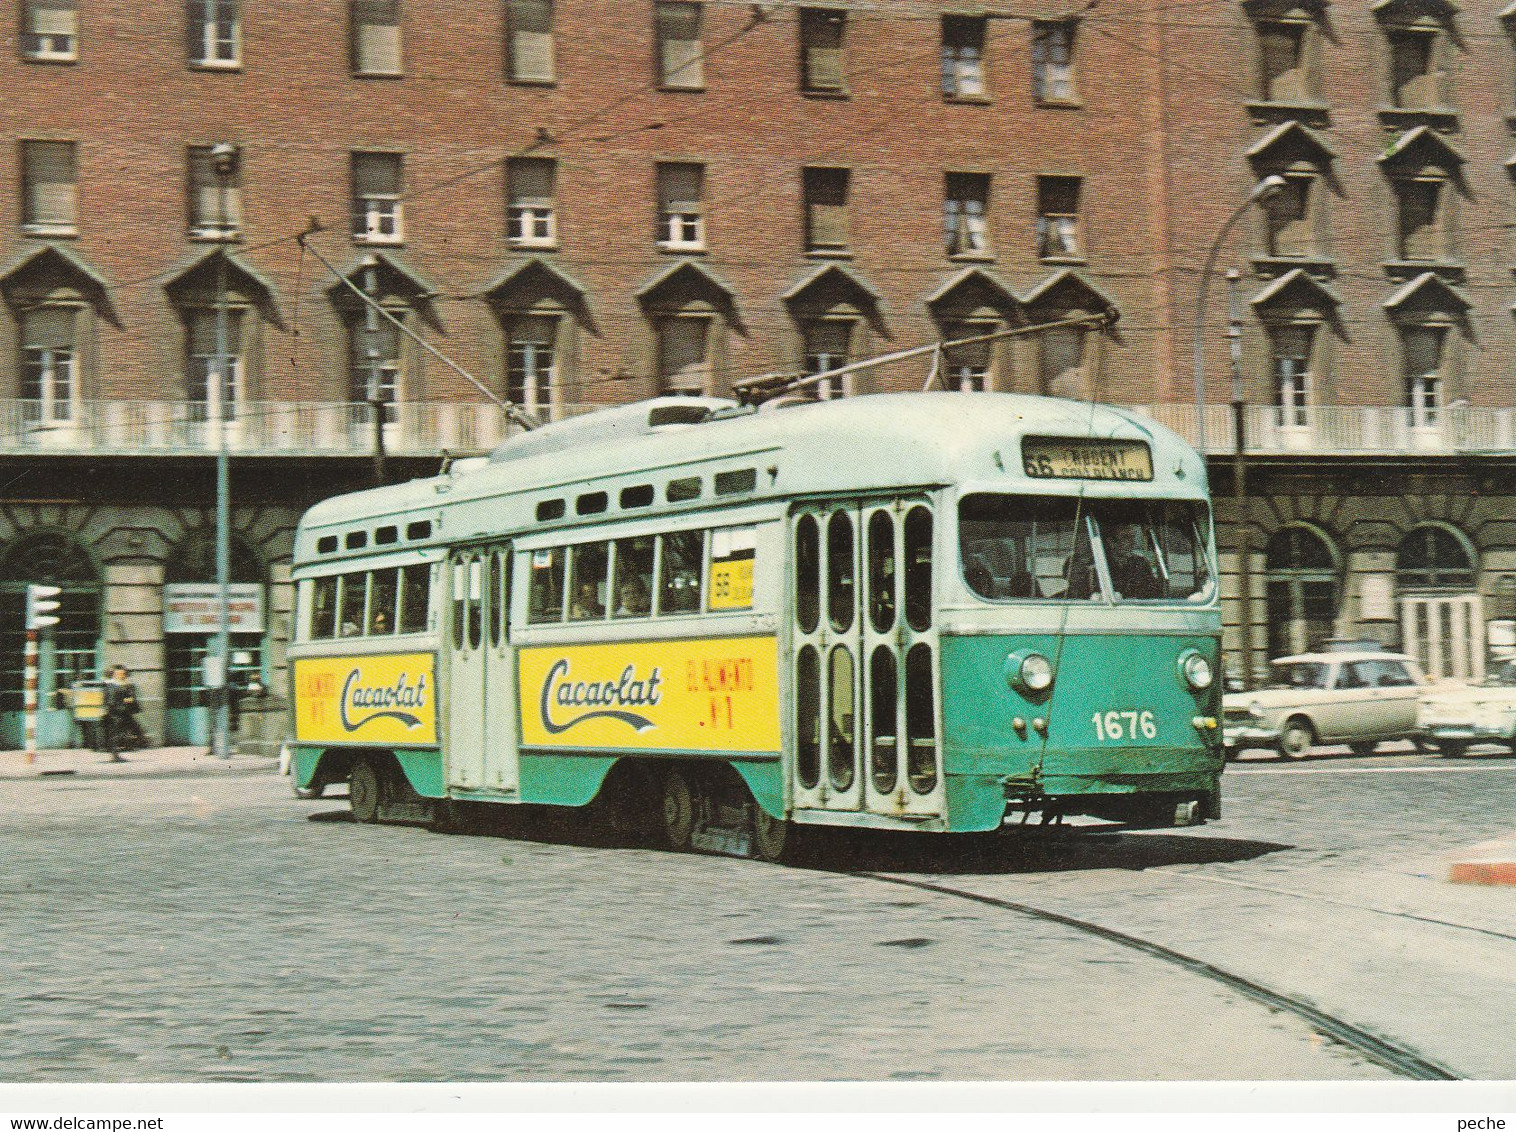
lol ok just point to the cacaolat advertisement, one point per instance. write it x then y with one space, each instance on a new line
366 699
706 695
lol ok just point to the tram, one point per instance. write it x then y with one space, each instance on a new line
939 612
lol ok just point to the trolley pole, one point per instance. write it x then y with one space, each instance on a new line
1239 484
39 607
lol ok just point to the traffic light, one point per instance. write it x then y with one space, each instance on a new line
40 606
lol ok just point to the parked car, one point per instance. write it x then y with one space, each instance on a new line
1453 717
1358 698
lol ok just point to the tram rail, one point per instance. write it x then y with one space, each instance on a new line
1398 1058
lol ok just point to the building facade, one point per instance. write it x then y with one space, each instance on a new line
581 203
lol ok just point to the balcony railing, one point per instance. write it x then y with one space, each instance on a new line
1346 430
261 428
324 428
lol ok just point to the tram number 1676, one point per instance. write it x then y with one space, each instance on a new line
1114 726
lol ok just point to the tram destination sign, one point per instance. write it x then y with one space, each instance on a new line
1069 458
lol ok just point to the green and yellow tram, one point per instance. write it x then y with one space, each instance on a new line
935 612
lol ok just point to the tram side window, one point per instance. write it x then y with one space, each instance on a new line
384 590
733 551
354 593
634 577
546 604
918 569
415 598
589 568
324 608
679 587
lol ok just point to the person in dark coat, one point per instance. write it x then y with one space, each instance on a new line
121 708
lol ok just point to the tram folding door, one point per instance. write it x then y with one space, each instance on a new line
864 659
481 684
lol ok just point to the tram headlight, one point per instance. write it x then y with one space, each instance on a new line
1030 673
1196 670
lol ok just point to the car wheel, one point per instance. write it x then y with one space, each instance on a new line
1452 750
1297 739
1363 748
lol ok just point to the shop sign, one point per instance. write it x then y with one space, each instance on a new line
190 607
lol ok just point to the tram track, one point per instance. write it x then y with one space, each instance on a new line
1397 1058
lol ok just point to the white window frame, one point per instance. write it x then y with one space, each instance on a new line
965 225
1058 233
29 177
53 46
1293 390
228 395
210 48
819 361
378 218
48 409
963 70
539 386
1054 79
681 223
1425 391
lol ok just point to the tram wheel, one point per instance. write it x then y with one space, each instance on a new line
678 810
774 839
364 790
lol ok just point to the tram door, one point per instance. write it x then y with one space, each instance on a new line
481 680
865 660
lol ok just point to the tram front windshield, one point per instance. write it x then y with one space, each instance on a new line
1056 548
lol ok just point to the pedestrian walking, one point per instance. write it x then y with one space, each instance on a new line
121 709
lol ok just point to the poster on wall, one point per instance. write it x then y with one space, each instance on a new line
190 607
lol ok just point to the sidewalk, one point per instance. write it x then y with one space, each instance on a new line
1491 862
160 762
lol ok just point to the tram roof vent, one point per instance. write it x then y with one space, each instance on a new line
622 422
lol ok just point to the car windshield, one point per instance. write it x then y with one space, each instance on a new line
1062 548
1299 674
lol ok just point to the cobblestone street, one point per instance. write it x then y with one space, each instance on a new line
221 930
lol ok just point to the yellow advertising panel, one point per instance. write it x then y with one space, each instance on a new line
732 584
699 695
388 699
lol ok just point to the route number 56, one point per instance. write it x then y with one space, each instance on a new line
1114 726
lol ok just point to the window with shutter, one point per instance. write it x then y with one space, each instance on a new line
684 363
374 372
531 214
1291 348
51 30
529 38
214 33
1058 217
377 209
1053 62
828 346
965 212
205 395
1422 203
681 213
680 54
826 208
1281 52
214 215
531 362
1422 348
1290 217
51 194
821 49
1414 80
376 37
963 57
49 375
966 369
1062 358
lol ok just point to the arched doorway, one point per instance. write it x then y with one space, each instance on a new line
189 633
69 651
1441 613
1303 576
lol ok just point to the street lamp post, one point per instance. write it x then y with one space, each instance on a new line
1262 191
224 159
1267 188
1240 481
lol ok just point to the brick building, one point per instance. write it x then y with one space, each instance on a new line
583 202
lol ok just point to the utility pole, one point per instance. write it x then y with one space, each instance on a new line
224 161
1240 481
39 616
371 349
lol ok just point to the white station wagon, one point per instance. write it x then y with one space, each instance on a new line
1360 699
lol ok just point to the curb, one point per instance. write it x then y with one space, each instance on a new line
98 774
1492 863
